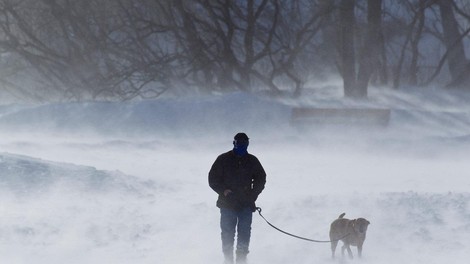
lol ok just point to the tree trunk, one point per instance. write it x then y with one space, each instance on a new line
348 69
383 71
456 59
415 42
369 59
328 51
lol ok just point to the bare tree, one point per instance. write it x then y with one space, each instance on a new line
413 33
369 57
246 45
414 41
348 59
125 49
84 49
459 66
456 58
356 86
454 55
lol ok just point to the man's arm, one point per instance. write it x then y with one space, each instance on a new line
215 177
259 179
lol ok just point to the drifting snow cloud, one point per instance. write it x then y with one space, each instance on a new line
127 182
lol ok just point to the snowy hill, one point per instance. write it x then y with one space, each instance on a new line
127 182
50 209
428 113
168 117
27 176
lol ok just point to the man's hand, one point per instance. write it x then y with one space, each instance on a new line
227 192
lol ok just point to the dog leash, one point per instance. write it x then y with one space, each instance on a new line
292 235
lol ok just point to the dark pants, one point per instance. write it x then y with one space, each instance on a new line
241 220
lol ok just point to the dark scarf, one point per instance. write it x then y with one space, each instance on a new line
241 148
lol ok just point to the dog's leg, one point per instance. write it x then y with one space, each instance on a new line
359 250
346 247
333 248
343 248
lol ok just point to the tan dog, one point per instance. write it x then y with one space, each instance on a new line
351 232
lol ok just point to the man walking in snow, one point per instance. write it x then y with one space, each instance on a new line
238 178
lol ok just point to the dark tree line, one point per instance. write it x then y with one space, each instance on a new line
125 49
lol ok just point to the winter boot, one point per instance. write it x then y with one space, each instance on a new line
228 257
241 257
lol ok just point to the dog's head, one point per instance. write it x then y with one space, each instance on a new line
360 225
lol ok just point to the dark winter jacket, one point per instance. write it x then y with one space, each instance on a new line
244 176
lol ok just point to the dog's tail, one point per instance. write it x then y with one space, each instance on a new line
341 215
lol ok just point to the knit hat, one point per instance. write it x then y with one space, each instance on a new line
241 136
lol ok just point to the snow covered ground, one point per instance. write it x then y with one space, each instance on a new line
127 182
